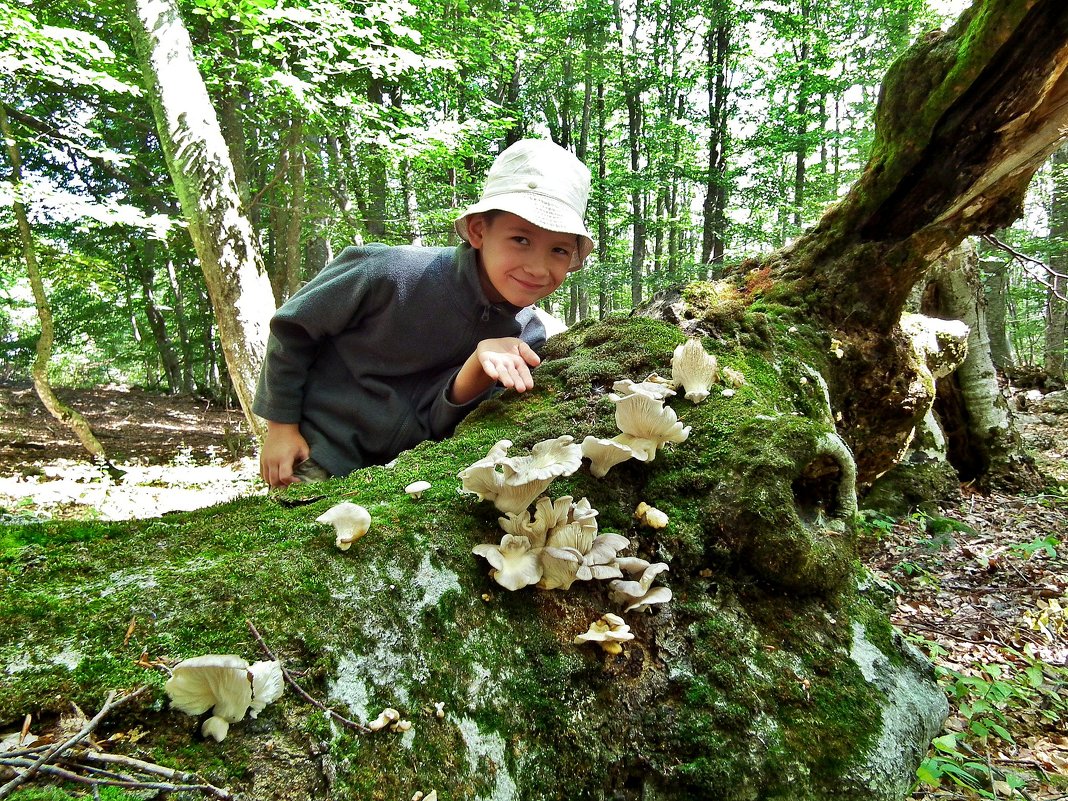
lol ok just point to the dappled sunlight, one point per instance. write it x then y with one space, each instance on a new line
77 489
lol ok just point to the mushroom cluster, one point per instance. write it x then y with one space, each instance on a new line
553 548
513 482
226 684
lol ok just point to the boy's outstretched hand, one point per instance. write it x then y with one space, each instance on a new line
283 448
506 361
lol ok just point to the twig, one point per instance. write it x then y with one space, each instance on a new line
49 755
132 784
350 724
1024 260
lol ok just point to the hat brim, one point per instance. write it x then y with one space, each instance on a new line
542 210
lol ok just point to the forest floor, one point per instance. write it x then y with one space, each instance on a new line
981 588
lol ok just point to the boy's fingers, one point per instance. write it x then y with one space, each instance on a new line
528 354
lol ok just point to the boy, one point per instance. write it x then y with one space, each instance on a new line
389 346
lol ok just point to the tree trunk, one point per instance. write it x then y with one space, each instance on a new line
983 444
60 411
1056 306
946 163
142 255
203 175
997 306
717 45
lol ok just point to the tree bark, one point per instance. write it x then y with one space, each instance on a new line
60 411
1056 307
983 444
204 179
997 305
965 119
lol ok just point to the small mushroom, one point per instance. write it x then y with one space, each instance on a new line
608 632
439 709
417 488
733 377
350 522
400 726
386 717
656 595
651 516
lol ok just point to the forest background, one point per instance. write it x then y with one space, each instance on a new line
715 130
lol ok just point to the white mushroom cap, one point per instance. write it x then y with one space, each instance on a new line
548 459
694 369
350 522
385 717
654 386
516 564
267 685
417 488
220 682
604 454
656 595
646 425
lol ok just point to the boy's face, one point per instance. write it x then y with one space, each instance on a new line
520 262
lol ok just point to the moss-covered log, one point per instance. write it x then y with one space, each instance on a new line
772 674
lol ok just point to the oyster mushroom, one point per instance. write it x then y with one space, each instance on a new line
651 516
638 593
386 717
350 522
512 483
417 488
733 377
574 553
515 563
225 684
654 386
647 424
694 369
608 632
604 454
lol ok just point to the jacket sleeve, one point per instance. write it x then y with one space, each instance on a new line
348 288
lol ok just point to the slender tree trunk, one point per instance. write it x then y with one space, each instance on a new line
1058 262
997 306
715 204
60 411
204 180
142 255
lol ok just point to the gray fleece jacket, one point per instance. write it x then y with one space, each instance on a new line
362 357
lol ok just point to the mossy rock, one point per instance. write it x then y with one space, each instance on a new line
770 675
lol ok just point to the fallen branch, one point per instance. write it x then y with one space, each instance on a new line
349 724
42 760
50 755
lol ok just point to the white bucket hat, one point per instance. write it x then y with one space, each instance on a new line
544 184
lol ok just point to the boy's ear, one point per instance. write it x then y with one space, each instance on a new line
476 230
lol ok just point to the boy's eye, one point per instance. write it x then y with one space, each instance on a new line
520 240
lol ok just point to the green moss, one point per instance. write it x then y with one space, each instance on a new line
741 689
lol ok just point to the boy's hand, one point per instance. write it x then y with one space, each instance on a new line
508 361
283 448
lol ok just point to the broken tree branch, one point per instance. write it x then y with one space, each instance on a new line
349 724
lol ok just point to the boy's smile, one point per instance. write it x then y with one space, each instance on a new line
518 261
